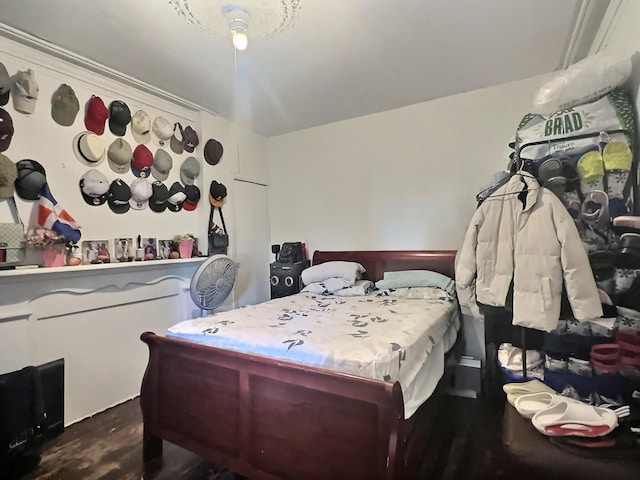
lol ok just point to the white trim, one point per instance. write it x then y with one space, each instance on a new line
63 54
607 26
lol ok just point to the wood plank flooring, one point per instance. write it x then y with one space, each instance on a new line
108 446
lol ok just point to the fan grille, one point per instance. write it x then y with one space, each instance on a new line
213 281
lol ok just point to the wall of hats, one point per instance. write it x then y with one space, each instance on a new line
113 168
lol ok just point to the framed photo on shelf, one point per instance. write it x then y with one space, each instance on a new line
164 248
122 249
150 246
96 251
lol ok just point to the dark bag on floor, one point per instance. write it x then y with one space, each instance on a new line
218 236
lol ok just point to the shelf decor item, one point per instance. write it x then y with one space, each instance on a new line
185 245
52 244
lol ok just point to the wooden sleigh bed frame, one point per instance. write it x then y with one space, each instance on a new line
269 419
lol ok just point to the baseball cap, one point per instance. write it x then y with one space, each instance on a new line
119 156
25 91
140 193
119 117
189 170
217 193
96 115
8 175
142 161
31 178
141 127
177 195
190 139
158 200
213 151
162 163
88 148
6 130
193 197
161 131
64 106
5 85
119 196
94 187
177 140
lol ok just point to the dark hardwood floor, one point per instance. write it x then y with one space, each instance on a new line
107 446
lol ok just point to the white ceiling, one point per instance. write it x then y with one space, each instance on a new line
342 58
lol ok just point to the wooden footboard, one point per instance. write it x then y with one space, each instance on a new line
270 419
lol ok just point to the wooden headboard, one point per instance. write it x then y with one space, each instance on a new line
376 262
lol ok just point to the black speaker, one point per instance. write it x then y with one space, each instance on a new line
285 278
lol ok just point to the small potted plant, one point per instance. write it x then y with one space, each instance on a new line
185 244
53 245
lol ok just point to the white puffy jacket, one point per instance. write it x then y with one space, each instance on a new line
532 239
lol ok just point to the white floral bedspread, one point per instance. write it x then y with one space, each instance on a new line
383 338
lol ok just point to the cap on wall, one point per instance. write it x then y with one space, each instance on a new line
94 187
8 176
64 106
161 132
177 140
162 164
193 197
191 140
119 117
96 115
119 196
158 199
119 156
140 193
213 151
6 130
5 85
217 193
141 127
189 170
25 91
88 149
31 178
177 196
141 162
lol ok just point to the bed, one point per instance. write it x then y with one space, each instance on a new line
271 419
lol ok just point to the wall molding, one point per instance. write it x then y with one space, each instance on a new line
607 26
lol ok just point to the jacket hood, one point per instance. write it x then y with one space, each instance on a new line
518 183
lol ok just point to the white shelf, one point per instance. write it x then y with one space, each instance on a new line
99 267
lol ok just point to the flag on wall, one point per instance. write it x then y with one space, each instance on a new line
53 216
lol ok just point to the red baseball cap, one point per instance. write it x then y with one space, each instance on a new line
96 115
141 162
193 197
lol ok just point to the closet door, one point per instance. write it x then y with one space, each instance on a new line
252 247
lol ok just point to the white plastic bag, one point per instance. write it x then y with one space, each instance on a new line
582 82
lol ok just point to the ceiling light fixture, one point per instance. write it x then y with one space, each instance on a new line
238 19
218 17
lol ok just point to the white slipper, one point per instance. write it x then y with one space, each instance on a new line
515 390
530 404
578 419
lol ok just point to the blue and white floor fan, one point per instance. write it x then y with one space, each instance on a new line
213 282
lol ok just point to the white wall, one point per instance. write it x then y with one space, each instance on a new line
93 315
402 179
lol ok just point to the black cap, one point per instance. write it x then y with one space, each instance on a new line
177 196
213 151
217 190
193 197
158 199
119 117
119 196
30 180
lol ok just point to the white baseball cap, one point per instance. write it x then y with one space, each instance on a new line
140 192
161 132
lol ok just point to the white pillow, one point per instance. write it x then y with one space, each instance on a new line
326 287
361 287
350 271
582 82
